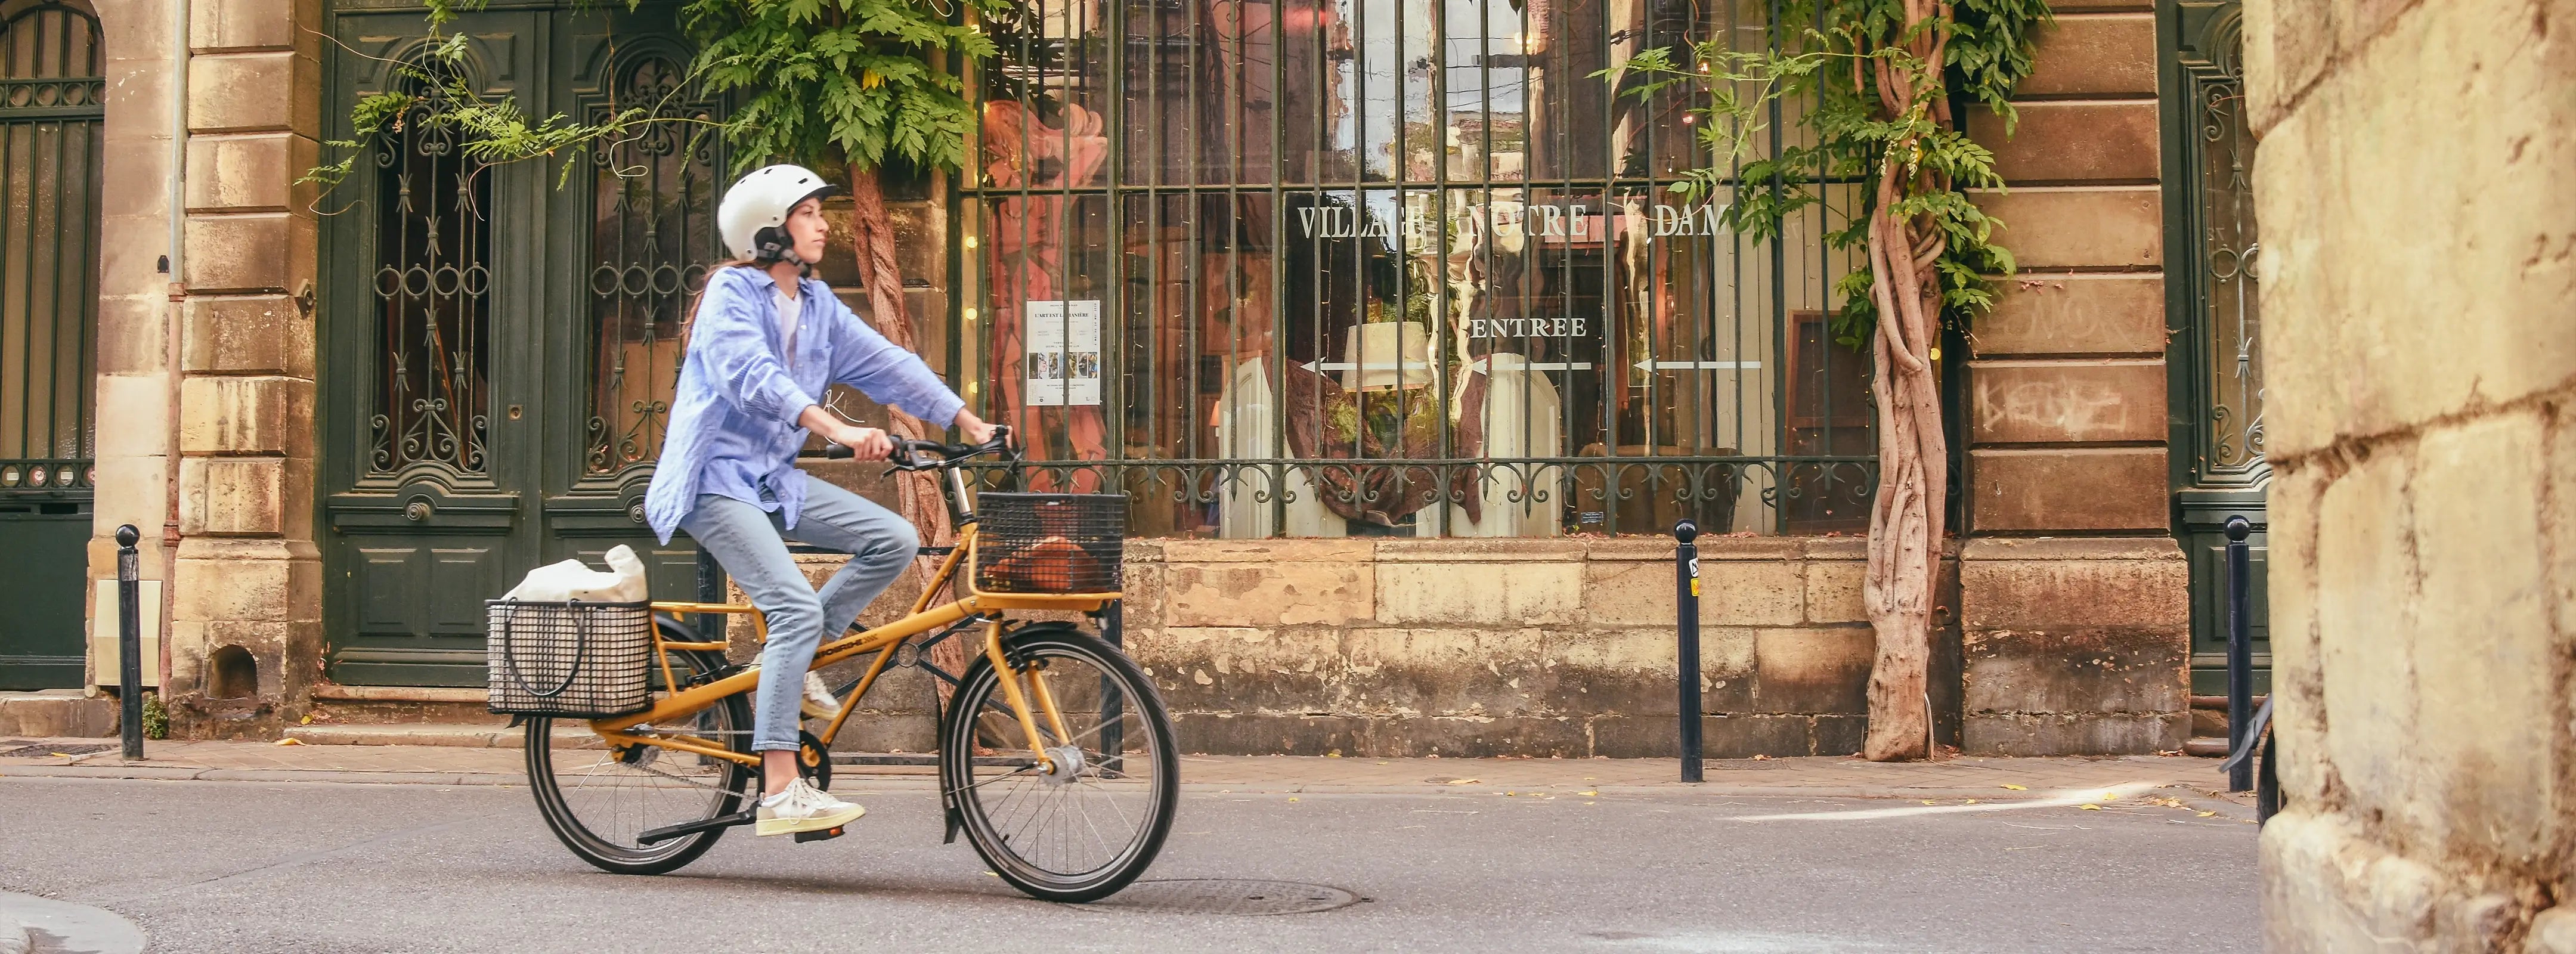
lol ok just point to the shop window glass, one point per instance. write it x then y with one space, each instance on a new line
1395 267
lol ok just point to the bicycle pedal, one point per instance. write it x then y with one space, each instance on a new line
824 835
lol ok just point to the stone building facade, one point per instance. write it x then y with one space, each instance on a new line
2426 572
233 401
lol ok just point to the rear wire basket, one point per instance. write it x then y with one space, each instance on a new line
1049 543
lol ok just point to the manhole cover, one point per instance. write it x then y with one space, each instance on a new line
1230 896
41 750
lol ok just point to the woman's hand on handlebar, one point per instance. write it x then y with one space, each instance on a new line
865 443
974 429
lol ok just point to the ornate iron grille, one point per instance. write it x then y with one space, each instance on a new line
51 97
433 284
2231 362
1394 267
650 242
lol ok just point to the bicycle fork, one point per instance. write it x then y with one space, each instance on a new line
1020 699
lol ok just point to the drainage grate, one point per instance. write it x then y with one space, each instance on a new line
40 750
1230 896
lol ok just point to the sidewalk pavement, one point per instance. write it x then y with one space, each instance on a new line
1998 779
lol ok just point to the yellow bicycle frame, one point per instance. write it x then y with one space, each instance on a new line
883 640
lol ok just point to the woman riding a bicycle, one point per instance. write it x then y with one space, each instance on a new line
765 340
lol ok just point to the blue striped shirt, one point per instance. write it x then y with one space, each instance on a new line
733 422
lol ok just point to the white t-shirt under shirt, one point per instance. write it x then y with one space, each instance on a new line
788 307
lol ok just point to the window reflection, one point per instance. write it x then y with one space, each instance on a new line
1397 267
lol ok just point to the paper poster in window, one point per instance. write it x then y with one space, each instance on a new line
1063 366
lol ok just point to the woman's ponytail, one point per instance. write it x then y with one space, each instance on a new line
689 317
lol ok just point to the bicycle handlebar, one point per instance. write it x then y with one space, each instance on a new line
907 453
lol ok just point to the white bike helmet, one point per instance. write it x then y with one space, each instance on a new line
754 210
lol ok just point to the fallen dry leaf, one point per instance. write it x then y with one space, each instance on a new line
1588 794
308 720
2207 814
2017 788
1462 781
63 754
290 740
2090 807
1292 798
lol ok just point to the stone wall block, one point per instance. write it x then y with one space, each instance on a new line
259 334
2035 735
2090 488
132 337
1490 593
249 24
1474 673
2079 314
2067 401
2106 226
249 172
2063 671
1834 591
253 92
2422 336
1280 594
2108 54
2064 143
234 496
133 153
255 252
129 255
246 415
1732 593
2059 594
139 406
1267 551
1813 670
247 579
2475 695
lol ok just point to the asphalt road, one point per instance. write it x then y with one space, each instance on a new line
246 866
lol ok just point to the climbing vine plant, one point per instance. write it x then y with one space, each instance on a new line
1879 79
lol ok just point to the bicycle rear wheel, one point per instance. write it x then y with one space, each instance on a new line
1091 818
599 801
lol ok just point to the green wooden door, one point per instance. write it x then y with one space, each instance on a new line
2216 362
499 351
51 95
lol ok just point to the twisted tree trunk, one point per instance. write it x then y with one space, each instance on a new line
1905 519
917 495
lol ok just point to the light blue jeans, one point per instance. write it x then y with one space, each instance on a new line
752 545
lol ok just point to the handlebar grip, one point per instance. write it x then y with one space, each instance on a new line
837 451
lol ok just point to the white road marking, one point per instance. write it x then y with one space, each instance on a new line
2060 798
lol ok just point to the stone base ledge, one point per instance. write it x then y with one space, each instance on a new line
1612 736
64 713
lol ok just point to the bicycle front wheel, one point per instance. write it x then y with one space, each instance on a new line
1086 820
599 802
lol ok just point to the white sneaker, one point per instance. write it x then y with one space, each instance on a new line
802 807
819 703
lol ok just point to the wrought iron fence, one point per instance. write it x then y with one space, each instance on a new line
1395 267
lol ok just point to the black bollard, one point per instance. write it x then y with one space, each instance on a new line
1686 596
129 643
2240 651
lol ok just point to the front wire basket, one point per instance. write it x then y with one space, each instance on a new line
1049 543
